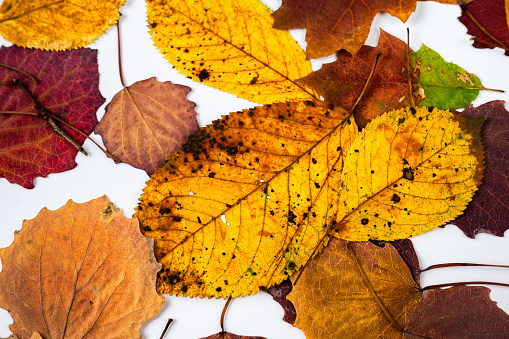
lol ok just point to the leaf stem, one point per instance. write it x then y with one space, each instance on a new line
120 55
223 313
367 82
482 28
19 71
412 101
460 264
170 320
463 283
474 38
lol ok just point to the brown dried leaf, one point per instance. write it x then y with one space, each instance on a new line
226 335
82 271
147 121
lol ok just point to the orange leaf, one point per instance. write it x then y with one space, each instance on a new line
147 121
354 290
80 271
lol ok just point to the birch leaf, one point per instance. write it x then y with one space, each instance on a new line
246 201
56 25
230 45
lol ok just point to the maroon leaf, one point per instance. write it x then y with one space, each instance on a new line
489 209
279 293
67 85
457 312
492 16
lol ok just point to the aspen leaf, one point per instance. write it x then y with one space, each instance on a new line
246 201
56 25
354 290
82 271
230 46
147 121
409 171
68 86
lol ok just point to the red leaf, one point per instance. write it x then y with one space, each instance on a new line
491 14
67 86
489 208
147 121
279 293
457 312
226 335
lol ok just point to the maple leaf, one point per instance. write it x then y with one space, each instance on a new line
408 171
354 290
488 22
147 121
80 271
226 335
402 78
457 312
332 25
244 203
221 47
67 85
56 25
490 206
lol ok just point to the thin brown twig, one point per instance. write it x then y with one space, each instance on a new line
459 264
223 313
120 55
367 82
170 320
19 71
432 287
482 28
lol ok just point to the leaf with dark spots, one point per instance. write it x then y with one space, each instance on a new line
489 210
488 23
68 83
457 312
147 121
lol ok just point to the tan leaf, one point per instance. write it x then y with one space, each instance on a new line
82 271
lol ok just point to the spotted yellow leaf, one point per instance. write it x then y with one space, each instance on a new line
230 45
56 24
409 171
246 201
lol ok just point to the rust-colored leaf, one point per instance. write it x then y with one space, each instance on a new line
246 201
226 335
354 290
82 271
457 312
146 122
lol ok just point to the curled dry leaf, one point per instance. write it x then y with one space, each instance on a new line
147 121
82 271
68 86
402 78
219 45
488 22
457 312
489 209
56 25
245 202
354 290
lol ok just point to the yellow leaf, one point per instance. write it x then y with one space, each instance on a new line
246 201
230 45
56 25
409 171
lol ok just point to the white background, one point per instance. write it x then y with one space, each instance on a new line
433 24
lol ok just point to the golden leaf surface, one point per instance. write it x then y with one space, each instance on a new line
82 271
409 171
246 201
354 290
56 25
230 45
